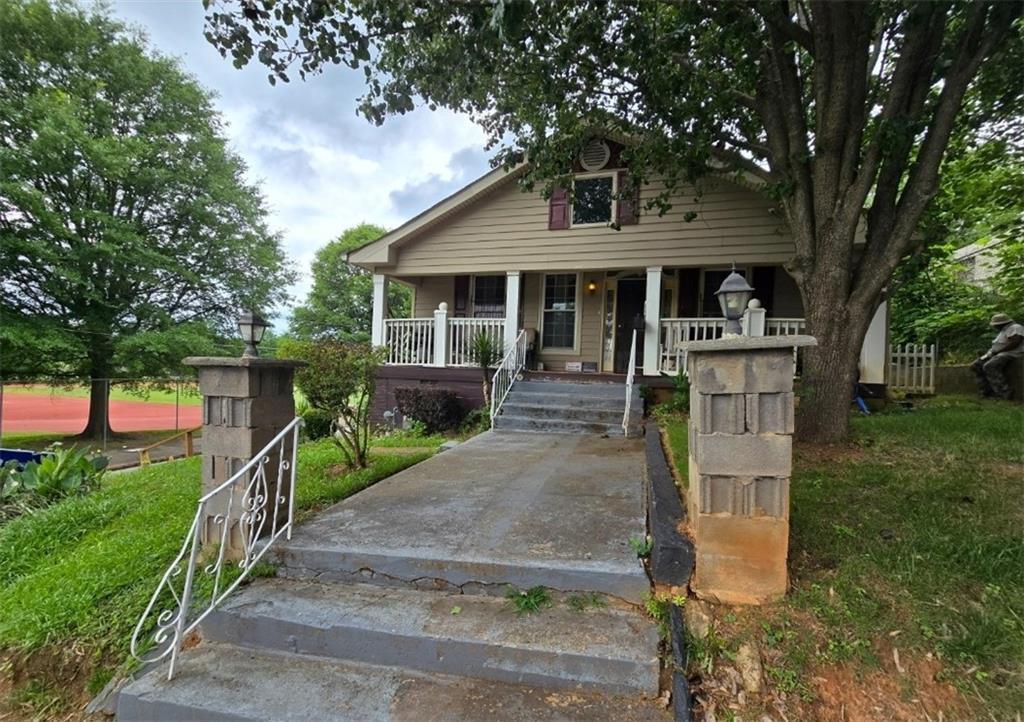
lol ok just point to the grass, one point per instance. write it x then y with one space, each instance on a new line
909 537
530 600
118 392
401 440
77 575
39 440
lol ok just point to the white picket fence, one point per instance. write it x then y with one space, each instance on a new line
912 368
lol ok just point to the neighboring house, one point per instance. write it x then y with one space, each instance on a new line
980 261
495 258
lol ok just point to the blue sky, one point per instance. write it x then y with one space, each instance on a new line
321 167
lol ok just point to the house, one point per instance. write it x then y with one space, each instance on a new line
979 261
579 272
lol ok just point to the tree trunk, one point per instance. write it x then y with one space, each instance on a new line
98 423
830 369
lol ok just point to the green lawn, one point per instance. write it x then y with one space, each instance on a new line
76 576
910 538
189 395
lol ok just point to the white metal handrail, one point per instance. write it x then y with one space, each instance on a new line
462 331
507 372
254 511
630 375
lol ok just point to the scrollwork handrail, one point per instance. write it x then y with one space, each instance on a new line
259 503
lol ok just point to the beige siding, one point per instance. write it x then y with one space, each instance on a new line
430 291
508 230
589 320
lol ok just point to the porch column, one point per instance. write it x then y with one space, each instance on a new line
874 353
380 308
652 322
511 309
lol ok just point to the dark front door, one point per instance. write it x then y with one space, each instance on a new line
629 308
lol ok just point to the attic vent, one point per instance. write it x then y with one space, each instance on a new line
595 155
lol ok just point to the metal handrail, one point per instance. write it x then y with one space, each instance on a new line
630 375
173 624
508 370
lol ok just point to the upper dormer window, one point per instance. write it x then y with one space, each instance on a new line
593 201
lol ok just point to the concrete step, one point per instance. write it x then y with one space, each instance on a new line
558 388
509 422
601 414
611 649
219 682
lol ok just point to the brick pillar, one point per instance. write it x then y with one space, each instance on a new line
246 403
741 426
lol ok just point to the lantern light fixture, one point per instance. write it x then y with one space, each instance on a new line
251 326
733 295
591 287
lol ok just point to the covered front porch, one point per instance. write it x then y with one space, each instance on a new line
578 322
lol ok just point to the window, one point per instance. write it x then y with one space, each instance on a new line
593 200
559 321
489 297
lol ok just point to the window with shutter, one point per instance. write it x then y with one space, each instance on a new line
558 210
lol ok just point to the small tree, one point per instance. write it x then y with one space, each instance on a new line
485 350
341 378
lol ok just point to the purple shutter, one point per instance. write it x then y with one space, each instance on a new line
628 213
558 210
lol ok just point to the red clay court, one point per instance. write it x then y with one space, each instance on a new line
67 415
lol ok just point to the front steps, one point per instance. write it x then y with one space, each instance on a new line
569 408
391 605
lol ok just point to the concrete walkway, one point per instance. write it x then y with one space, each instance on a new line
503 508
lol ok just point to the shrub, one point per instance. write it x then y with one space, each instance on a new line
341 378
485 350
436 409
476 421
679 403
63 472
317 423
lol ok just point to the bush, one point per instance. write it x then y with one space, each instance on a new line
476 421
341 379
679 403
317 423
436 409
62 473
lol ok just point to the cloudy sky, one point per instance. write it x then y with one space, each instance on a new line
322 167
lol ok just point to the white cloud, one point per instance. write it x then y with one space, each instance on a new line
321 168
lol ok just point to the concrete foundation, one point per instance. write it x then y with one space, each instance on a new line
741 426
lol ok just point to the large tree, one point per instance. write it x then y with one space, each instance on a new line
842 110
128 232
340 303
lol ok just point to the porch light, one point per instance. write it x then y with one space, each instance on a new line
591 287
251 327
733 295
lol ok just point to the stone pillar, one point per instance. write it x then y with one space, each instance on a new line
380 309
741 426
652 322
512 279
246 403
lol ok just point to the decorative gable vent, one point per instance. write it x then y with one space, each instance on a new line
595 155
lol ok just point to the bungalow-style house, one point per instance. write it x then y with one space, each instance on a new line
579 272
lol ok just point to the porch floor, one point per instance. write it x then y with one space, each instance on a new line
523 509
578 377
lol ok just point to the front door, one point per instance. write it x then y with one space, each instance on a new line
630 298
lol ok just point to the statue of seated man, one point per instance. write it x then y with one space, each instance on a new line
1008 345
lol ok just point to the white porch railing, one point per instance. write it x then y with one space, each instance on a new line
912 368
250 505
507 373
462 331
677 330
630 375
410 341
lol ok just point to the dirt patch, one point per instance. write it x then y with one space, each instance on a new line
811 455
49 683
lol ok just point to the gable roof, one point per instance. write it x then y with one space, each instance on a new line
382 250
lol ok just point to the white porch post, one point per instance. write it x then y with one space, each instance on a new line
441 335
511 309
754 319
874 354
380 308
652 322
